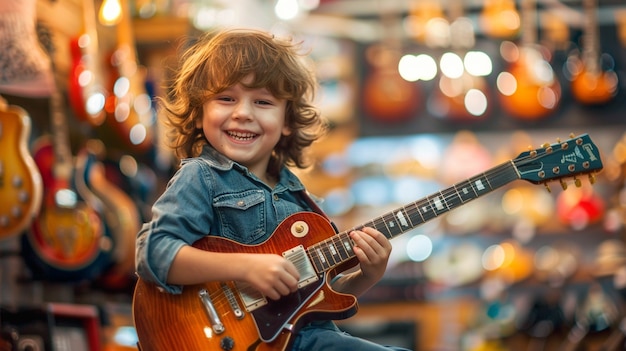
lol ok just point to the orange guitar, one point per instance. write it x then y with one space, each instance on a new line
20 181
233 316
529 89
499 18
129 106
591 84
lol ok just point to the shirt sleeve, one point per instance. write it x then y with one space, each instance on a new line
180 216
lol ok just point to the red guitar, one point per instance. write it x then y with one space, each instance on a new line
86 91
232 316
20 181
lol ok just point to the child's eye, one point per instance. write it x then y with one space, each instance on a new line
264 102
224 98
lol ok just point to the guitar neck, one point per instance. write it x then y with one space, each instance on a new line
529 22
126 49
590 37
408 217
63 163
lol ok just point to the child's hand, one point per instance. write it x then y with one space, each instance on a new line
272 275
372 250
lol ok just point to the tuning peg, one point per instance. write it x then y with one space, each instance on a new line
572 135
545 145
547 187
577 182
563 184
592 178
558 140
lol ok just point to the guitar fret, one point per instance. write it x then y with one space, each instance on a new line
465 192
416 210
396 223
318 261
341 250
426 210
325 248
453 200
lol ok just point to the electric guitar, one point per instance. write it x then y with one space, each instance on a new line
68 240
592 84
232 316
87 94
529 88
20 181
129 106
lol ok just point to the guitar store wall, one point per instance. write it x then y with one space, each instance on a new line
415 305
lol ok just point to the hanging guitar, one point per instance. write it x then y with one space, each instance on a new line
86 92
233 316
592 84
120 214
529 89
20 181
464 97
68 240
129 106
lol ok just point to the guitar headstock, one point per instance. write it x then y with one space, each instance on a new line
568 159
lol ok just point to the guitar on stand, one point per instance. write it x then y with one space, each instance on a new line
68 241
20 181
233 316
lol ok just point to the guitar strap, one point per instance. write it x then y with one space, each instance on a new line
307 197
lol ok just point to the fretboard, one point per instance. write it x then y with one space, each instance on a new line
336 250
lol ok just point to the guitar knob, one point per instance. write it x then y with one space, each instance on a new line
227 343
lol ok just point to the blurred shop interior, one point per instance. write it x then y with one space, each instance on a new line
423 97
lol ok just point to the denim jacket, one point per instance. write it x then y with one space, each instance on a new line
212 195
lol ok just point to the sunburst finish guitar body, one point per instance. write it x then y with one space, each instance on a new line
232 316
20 181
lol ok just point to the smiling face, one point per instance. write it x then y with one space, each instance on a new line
245 125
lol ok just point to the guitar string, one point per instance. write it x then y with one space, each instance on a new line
446 194
413 208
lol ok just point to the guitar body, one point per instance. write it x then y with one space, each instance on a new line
594 88
499 19
451 100
86 96
120 214
537 91
68 240
390 98
20 181
169 322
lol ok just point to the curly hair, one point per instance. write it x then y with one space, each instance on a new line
221 59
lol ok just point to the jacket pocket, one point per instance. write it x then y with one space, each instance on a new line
242 215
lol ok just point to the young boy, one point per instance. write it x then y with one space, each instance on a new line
241 114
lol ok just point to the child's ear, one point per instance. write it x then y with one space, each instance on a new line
286 131
199 123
